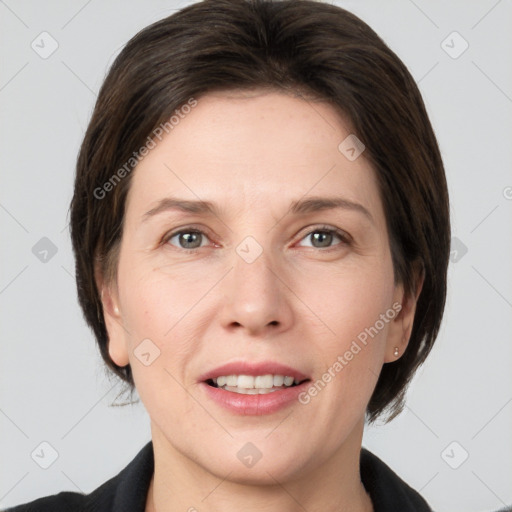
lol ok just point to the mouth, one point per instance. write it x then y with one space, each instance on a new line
254 385
251 378
254 401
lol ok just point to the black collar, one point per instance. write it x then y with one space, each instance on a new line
388 492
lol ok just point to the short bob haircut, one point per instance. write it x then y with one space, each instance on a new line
299 47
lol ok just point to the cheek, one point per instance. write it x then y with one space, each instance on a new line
353 299
160 310
357 307
152 306
153 301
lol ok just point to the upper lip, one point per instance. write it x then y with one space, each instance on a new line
254 369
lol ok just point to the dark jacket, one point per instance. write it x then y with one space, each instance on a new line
127 491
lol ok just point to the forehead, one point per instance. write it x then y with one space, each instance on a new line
257 149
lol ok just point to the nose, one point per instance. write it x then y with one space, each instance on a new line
256 298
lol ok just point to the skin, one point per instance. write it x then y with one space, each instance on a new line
298 303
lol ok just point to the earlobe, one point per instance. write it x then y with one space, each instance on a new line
401 329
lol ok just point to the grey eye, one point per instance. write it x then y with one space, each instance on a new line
188 239
322 238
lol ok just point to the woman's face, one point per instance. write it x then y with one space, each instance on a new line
258 279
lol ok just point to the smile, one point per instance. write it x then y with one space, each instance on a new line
253 385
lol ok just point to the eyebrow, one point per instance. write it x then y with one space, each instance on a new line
299 207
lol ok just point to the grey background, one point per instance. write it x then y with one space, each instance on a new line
53 386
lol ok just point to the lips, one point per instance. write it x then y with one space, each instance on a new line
240 402
254 369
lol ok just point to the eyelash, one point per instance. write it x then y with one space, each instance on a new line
346 240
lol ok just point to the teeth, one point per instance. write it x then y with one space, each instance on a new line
288 381
251 391
278 380
245 381
258 383
231 380
264 381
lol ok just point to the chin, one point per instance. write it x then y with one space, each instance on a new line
258 462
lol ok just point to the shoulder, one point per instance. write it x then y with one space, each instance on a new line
100 500
387 490
64 501
127 491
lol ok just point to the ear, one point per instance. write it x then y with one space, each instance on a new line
400 328
117 342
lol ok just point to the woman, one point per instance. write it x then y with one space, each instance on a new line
261 229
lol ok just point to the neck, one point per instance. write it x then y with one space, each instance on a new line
180 484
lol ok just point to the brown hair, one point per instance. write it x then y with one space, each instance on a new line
294 46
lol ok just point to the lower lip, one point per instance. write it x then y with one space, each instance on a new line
255 405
